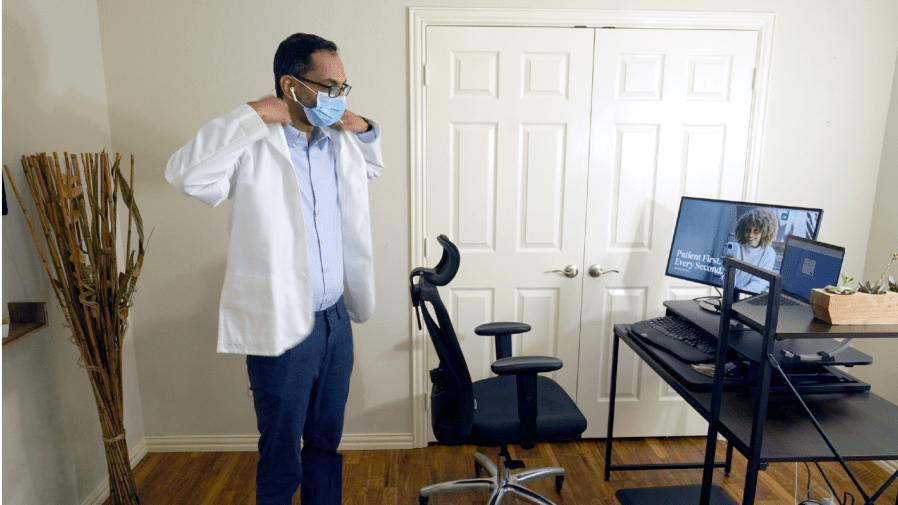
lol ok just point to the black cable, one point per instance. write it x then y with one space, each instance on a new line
808 488
832 490
710 297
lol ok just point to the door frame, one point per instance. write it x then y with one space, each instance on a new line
421 17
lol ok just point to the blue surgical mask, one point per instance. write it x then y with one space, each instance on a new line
328 110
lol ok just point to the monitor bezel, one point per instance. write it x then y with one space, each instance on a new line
732 202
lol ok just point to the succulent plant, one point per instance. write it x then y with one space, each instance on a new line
893 286
843 289
879 288
875 289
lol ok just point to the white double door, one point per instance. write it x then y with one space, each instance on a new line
555 148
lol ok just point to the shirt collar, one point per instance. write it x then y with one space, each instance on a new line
294 136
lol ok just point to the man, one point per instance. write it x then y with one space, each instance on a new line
755 231
295 167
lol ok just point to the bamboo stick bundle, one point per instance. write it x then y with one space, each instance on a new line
77 206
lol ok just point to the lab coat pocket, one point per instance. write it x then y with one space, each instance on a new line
247 316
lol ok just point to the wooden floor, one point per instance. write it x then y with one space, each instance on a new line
385 477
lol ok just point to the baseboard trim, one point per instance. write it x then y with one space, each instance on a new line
225 443
101 492
890 466
375 441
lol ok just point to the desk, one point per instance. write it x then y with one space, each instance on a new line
768 428
863 426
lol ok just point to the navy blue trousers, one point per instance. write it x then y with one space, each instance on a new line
302 394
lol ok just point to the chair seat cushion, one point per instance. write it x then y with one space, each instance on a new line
496 413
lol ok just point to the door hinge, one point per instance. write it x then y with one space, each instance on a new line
425 247
426 80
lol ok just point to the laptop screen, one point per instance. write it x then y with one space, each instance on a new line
808 264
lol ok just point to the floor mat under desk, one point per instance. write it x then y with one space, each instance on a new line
671 495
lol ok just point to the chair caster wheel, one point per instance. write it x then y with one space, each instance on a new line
559 481
422 500
478 468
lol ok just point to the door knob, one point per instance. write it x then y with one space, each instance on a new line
596 271
571 271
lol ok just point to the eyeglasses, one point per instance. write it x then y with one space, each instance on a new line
332 91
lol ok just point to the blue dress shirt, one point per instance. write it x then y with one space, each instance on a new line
315 164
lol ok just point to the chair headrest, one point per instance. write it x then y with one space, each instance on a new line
447 267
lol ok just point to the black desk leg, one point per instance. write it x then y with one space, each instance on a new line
757 433
729 464
614 350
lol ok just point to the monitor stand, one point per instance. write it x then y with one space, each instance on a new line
712 305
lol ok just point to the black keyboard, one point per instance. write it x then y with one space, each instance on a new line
762 300
677 337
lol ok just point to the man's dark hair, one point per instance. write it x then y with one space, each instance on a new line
294 56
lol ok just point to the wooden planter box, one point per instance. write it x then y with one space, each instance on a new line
857 308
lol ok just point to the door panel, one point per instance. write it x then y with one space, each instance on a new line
507 156
671 112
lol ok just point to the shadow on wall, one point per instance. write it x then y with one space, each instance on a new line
50 425
194 390
187 387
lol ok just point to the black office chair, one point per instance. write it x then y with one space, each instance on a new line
517 407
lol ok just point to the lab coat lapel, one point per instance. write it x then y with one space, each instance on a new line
358 257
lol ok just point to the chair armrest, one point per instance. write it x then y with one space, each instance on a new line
490 329
502 333
526 364
525 368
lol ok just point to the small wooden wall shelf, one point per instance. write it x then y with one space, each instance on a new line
25 318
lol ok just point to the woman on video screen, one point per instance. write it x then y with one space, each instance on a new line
755 231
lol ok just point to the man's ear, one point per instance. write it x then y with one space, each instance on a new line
286 84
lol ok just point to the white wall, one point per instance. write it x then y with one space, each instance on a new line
54 99
882 244
183 64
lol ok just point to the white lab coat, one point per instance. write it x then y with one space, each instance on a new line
266 299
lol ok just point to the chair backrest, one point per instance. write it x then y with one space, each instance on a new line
452 400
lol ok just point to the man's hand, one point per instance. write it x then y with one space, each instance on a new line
352 122
272 110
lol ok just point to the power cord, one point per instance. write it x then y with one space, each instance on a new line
827 500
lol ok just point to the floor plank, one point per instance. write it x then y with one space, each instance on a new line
395 476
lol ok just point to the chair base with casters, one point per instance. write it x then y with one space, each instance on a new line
500 482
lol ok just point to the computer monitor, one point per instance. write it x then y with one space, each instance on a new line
708 230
